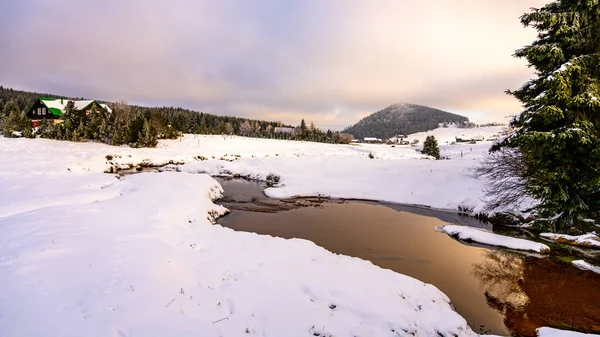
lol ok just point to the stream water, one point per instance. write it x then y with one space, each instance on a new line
497 291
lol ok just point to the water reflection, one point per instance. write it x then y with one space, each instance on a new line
497 292
533 292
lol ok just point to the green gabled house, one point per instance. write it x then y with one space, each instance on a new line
53 108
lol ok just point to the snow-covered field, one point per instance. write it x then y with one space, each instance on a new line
397 174
446 136
83 253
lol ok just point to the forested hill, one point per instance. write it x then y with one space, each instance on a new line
401 119
183 120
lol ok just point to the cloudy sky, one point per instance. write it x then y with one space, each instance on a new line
328 61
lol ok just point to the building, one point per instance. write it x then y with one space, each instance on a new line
53 108
283 129
372 140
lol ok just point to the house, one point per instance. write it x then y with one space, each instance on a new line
372 140
283 129
53 108
399 139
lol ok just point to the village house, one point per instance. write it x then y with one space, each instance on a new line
372 140
53 108
283 129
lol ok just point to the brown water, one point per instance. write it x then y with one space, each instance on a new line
498 292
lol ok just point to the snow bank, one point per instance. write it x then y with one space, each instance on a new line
489 238
550 332
586 240
581 264
92 255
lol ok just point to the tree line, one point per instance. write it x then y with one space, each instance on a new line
139 126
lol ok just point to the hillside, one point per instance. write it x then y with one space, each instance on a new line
448 135
401 119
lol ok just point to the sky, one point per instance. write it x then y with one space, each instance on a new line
328 61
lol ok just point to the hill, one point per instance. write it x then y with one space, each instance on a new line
402 119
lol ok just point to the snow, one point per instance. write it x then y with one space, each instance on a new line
106 107
396 174
80 104
489 238
540 96
449 134
585 240
563 67
60 104
586 266
550 332
83 253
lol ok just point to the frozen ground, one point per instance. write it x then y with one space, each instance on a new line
85 254
489 238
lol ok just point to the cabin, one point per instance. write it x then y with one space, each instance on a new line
372 140
53 108
399 139
283 129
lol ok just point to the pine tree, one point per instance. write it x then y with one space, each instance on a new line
430 147
558 132
303 126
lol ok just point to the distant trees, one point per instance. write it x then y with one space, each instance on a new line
229 128
430 147
16 123
303 126
143 126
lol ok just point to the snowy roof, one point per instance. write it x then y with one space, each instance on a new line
80 105
57 105
106 107
283 129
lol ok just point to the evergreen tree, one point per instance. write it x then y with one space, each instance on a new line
558 132
303 126
430 147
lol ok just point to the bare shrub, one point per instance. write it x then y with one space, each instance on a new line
502 169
